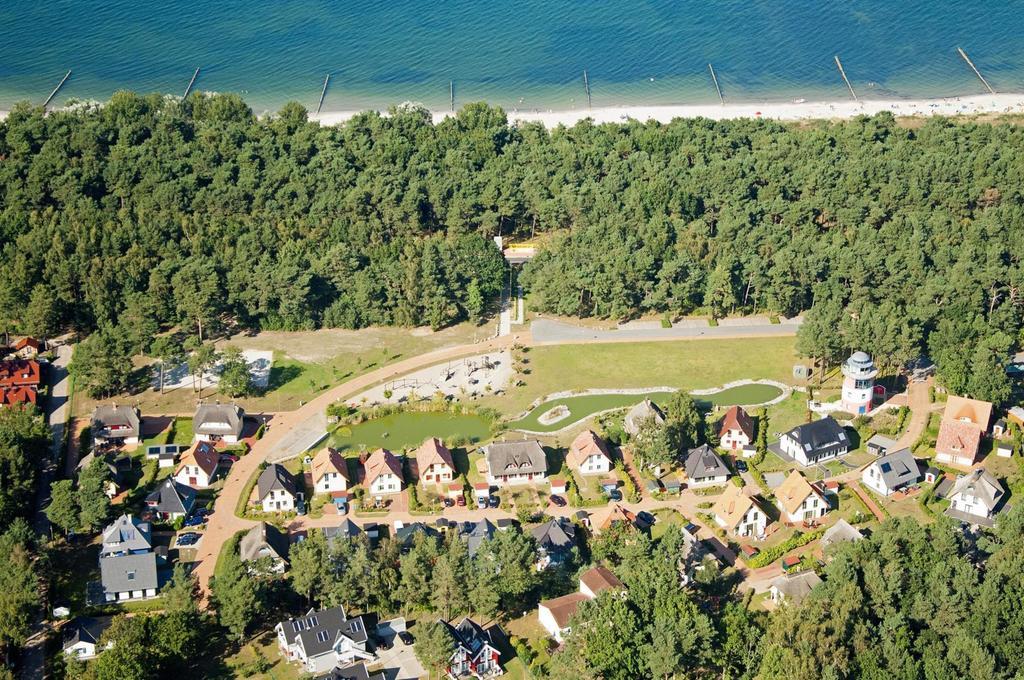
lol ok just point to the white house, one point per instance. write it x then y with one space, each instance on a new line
891 472
736 429
511 463
198 467
798 501
129 577
383 473
329 471
793 587
815 442
964 422
323 639
975 498
705 468
82 636
589 454
554 614
434 463
739 514
112 424
218 422
276 489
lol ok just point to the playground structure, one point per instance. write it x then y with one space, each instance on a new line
458 379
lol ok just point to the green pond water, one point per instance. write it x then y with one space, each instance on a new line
405 430
586 405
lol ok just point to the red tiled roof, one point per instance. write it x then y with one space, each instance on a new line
586 444
600 578
19 372
737 419
382 462
958 438
26 342
25 394
433 452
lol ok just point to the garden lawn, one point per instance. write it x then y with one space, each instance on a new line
409 429
689 365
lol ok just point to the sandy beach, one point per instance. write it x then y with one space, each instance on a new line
783 111
786 111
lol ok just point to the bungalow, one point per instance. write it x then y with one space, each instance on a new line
171 500
840 532
434 462
321 640
964 421
880 445
705 468
554 615
265 542
474 650
510 463
198 467
589 454
739 514
975 498
275 489
644 412
329 471
115 424
793 587
127 535
128 577
798 501
736 429
383 473
82 636
891 472
218 423
555 540
19 381
815 442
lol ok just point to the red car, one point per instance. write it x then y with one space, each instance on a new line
460 500
228 458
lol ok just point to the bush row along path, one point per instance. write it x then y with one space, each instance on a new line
224 523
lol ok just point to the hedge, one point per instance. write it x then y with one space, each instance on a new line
769 555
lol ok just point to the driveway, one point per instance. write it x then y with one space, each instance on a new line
399 662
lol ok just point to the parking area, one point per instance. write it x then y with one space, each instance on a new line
399 662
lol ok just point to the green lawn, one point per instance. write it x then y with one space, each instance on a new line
409 429
690 365
584 406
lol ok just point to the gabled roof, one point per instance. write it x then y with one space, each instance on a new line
795 587
599 579
980 485
406 533
117 418
509 458
638 414
433 452
27 341
732 505
347 529
820 436
703 462
329 460
126 534
558 534
318 631
476 533
23 394
18 372
958 438
382 462
263 540
736 419
469 634
585 445
968 410
122 573
563 608
171 497
86 629
898 468
273 478
840 532
218 419
793 491
203 455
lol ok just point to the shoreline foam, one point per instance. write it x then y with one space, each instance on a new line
999 103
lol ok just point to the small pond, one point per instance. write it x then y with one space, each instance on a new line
406 430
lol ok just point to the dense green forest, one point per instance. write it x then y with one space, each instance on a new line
896 240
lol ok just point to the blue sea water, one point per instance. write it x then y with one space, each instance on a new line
529 54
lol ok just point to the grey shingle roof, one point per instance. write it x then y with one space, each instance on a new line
558 534
123 573
981 485
476 534
704 462
86 629
275 477
510 458
795 587
126 534
898 468
641 412
263 540
118 420
840 532
319 630
172 497
347 529
218 419
820 437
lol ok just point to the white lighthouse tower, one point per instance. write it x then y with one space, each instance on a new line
858 383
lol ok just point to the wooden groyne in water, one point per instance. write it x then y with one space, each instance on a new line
323 93
714 79
586 84
57 89
976 71
451 94
190 84
846 80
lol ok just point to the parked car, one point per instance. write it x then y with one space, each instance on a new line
645 516
448 502
228 458
615 496
406 637
460 500
741 466
188 538
195 520
558 500
481 502
494 501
